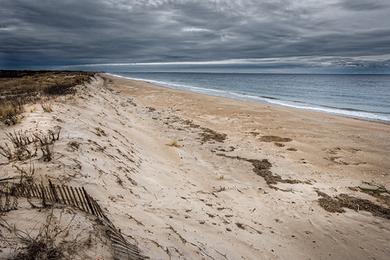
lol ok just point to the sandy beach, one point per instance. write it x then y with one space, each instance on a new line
189 176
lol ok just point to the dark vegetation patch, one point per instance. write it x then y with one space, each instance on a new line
131 102
205 134
247 227
21 87
341 201
150 109
329 204
376 191
210 135
240 225
273 138
222 149
100 132
262 168
190 123
74 145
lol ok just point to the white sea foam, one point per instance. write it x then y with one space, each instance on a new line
235 95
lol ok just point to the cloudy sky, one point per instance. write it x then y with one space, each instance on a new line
269 33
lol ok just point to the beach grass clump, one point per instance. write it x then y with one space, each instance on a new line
47 107
51 241
221 177
24 145
174 143
100 132
26 174
9 112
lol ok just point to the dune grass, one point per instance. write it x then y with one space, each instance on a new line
18 88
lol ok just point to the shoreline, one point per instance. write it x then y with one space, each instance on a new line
284 121
257 100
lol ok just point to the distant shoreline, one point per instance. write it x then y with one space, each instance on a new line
259 99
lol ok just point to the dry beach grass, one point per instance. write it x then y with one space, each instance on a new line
21 87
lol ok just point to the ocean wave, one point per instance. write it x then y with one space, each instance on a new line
272 100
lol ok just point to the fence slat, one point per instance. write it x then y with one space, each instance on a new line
34 192
21 190
61 195
17 190
94 207
66 195
30 193
84 201
88 201
93 203
49 198
48 194
37 191
99 209
43 194
80 200
50 191
31 190
75 197
53 191
120 245
25 192
126 250
70 196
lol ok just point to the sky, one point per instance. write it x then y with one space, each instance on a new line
262 35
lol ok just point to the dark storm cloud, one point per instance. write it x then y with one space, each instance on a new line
364 5
64 32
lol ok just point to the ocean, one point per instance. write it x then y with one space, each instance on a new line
358 96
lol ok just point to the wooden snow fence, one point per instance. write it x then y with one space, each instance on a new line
76 197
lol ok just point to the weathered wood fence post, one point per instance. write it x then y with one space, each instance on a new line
54 192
